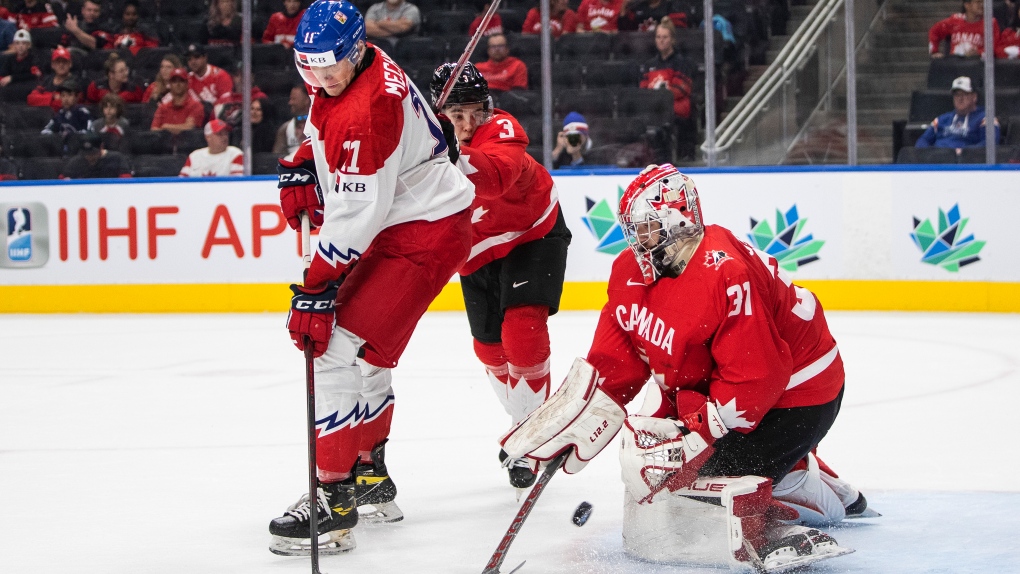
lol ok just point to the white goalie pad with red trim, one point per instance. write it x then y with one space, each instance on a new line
579 417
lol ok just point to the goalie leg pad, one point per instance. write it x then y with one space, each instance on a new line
579 417
806 491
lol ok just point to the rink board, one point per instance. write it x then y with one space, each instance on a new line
874 238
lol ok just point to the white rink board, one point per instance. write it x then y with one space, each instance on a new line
181 233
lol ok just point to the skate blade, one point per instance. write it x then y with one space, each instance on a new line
868 513
336 542
519 492
786 564
381 513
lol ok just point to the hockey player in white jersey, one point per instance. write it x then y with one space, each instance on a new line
394 227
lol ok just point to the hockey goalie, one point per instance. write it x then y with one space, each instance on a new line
719 463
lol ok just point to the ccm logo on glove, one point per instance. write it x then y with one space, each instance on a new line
315 306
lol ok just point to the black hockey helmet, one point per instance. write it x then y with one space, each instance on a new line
470 88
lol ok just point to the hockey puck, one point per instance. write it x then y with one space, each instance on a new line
581 514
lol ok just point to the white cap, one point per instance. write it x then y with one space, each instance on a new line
22 36
962 83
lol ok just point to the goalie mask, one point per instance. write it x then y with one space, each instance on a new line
661 218
470 88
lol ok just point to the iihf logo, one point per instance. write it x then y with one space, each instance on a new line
19 234
26 229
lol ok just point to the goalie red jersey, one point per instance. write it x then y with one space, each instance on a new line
731 326
515 200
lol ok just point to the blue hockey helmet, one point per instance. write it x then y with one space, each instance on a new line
330 32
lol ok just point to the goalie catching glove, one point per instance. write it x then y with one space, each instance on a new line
665 453
579 417
299 188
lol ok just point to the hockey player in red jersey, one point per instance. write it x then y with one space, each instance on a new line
965 31
513 278
748 380
376 176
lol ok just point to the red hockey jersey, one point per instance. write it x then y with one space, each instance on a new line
381 160
281 29
732 326
515 199
964 36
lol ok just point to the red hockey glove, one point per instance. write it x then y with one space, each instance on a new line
450 133
299 191
312 315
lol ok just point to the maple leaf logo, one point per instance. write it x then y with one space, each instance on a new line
478 214
716 258
733 418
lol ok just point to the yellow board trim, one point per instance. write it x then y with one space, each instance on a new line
577 296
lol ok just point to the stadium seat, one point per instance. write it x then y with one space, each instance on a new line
592 104
26 117
415 49
942 72
158 165
1012 133
1007 101
223 57
447 22
270 56
935 155
188 141
264 163
616 130
524 46
47 38
692 46
654 107
639 46
139 116
614 73
30 143
520 103
564 74
926 105
42 167
277 82
590 47
513 18
17 92
95 60
147 60
1007 73
187 29
145 142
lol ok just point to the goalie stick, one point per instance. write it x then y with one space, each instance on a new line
468 50
313 482
529 502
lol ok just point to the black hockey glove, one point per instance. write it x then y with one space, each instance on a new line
451 137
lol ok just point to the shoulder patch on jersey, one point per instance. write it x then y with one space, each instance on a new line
716 257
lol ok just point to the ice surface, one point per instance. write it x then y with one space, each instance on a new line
165 444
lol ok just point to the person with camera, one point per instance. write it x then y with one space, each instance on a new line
572 142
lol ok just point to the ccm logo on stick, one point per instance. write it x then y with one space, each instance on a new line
314 305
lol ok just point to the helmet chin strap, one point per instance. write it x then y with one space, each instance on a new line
672 259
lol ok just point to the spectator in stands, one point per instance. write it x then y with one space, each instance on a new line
495 23
33 14
183 111
7 31
131 34
263 128
392 19
112 126
45 94
572 142
503 71
283 25
600 15
220 158
224 24
118 81
207 82
228 106
8 169
965 31
159 90
562 20
20 66
93 161
962 127
86 32
669 70
645 15
1008 45
292 132
72 116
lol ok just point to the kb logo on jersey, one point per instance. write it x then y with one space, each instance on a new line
25 227
350 187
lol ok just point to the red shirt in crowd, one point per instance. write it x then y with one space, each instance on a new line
495 26
963 36
505 75
281 29
129 92
565 23
169 113
210 86
599 15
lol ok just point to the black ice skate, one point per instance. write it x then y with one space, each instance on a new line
860 508
521 476
375 491
792 547
337 515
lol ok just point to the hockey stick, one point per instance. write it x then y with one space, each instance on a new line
529 502
313 482
468 50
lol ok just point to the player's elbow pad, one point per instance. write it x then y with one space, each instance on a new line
580 418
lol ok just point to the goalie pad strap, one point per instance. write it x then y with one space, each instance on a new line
579 417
